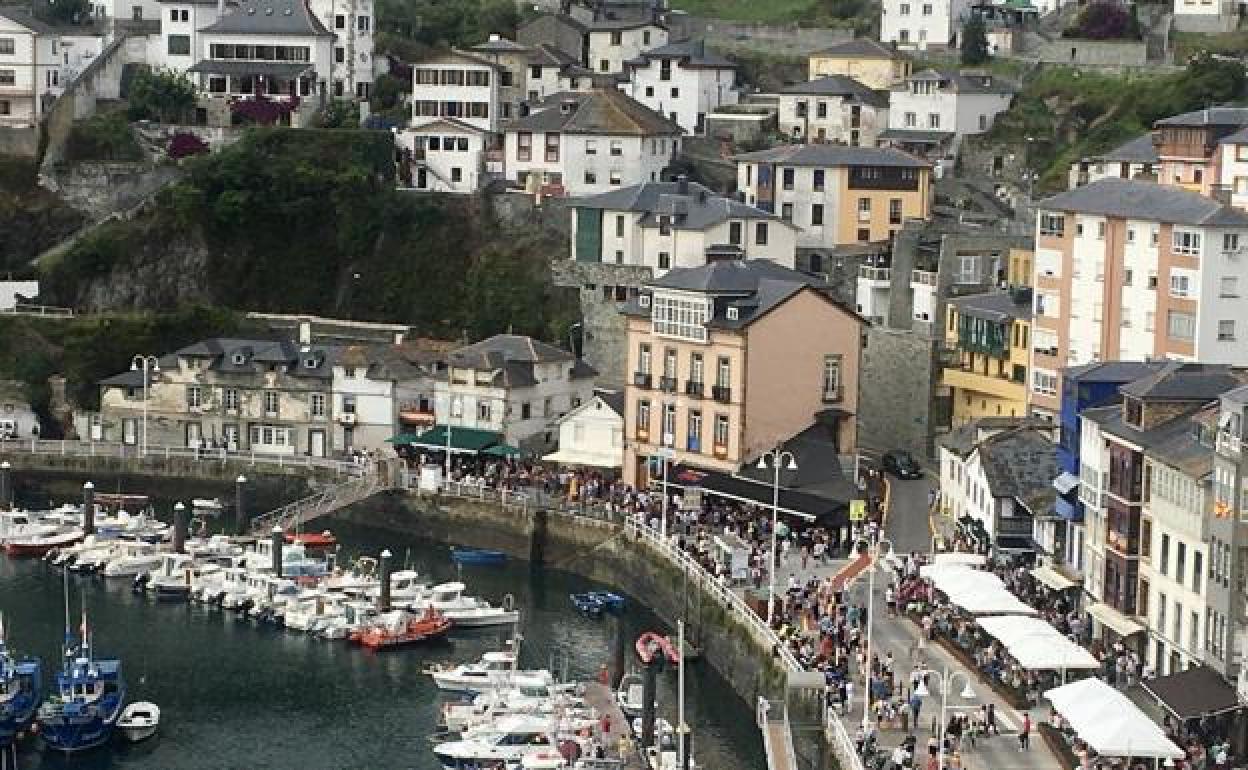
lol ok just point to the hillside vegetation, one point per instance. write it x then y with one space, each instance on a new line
309 221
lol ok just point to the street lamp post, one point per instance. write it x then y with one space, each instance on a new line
866 670
149 365
947 679
777 457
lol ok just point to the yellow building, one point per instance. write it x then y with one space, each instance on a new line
873 64
987 339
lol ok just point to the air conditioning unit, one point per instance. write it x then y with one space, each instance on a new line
347 418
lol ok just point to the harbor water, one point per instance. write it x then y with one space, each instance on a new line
237 694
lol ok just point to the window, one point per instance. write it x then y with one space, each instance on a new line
927 9
524 146
194 396
694 432
894 211
912 120
272 402
933 120
675 93
734 233
1228 286
669 424
1044 382
818 180
905 9
6 107
483 410
457 175
1052 224
230 398
1180 285
816 215
1230 242
786 175
591 177
362 23
682 317
695 369
6 46
617 147
832 377
1186 242
723 372
1197 567
317 405
617 37
340 54
615 177
591 146
1180 326
760 233
643 415
552 148
645 37
721 430
786 212
665 260
340 22
179 45
864 209
643 359
1226 330
864 235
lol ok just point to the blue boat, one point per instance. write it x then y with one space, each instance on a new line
611 602
90 695
21 691
477 556
587 604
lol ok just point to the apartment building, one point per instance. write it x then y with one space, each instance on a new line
30 68
667 225
945 101
724 365
1226 541
833 108
459 85
920 24
1123 543
837 195
511 61
588 143
989 337
875 65
996 480
1129 270
684 81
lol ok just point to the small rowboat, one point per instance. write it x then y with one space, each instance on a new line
139 721
477 556
594 603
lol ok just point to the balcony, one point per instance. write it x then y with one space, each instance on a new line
641 379
833 395
643 434
720 451
988 384
667 384
695 389
721 393
876 277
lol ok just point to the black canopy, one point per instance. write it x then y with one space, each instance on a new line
1197 692
802 505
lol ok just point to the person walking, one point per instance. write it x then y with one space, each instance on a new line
992 721
1024 734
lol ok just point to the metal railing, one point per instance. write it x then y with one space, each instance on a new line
322 503
842 745
784 755
71 448
463 490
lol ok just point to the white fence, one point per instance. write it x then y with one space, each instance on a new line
69 448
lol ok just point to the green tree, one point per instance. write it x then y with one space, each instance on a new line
62 11
164 95
974 41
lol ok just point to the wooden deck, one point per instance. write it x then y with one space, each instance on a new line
602 700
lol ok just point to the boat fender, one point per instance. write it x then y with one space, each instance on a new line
509 602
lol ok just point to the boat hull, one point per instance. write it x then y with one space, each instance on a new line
477 556
136 734
69 735
34 549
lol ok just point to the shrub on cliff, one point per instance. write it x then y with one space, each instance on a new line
184 145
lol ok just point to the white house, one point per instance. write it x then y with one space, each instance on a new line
456 85
551 71
513 385
1132 159
833 109
30 68
277 49
587 143
447 155
666 225
612 42
180 25
683 81
352 23
918 24
946 101
1234 167
593 434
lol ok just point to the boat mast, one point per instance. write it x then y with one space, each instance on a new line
680 695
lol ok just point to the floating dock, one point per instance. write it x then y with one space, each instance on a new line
602 699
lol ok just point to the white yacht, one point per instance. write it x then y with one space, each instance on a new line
463 611
495 670
405 586
270 595
359 580
214 547
233 588
295 560
356 613
314 611
543 701
506 743
24 524
206 582
172 580
134 558
84 556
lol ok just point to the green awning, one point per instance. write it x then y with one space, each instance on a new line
463 440
502 450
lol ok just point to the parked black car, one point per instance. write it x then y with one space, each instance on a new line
901 464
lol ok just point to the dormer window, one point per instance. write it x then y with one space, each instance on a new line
644 300
311 362
239 359
1133 412
733 314
681 315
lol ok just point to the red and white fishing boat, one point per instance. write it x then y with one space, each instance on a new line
37 546
400 627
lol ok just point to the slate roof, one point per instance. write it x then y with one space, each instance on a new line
1176 443
612 25
1021 464
963 439
832 155
839 85
548 55
1239 137
270 17
512 356
1181 381
1139 150
753 287
995 306
607 111
22 16
1113 371
694 52
860 48
499 44
1213 116
697 209
613 399
962 82
1132 199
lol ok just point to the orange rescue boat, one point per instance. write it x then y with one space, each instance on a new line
400 627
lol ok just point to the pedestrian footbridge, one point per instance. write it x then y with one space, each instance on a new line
773 720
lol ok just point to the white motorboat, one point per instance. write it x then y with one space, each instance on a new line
495 670
39 545
488 707
172 580
405 585
206 581
314 611
139 721
463 611
206 506
506 743
360 580
269 598
232 591
84 556
134 558
357 613
24 524
629 695
295 560
215 547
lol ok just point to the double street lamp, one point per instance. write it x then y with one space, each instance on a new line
947 680
149 365
777 457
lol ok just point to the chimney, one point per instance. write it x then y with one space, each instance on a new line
682 185
305 332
